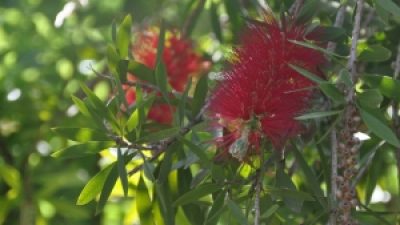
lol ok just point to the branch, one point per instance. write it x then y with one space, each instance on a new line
162 145
334 169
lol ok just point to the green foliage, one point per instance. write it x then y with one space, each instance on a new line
121 168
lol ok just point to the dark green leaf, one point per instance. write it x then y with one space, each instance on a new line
270 211
195 194
163 196
123 175
160 135
216 209
387 85
389 6
141 71
161 77
236 212
375 53
166 163
307 74
379 128
198 151
200 95
315 47
183 101
286 189
310 176
215 23
82 134
133 120
332 33
94 186
345 77
107 188
331 91
143 203
81 106
307 11
124 37
315 115
81 150
371 98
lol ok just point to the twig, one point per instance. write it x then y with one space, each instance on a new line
164 144
353 51
257 201
189 22
338 23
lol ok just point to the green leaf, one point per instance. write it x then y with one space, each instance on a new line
107 188
94 186
389 6
387 85
233 10
123 175
99 107
307 74
81 106
315 115
163 195
143 203
183 101
82 134
215 23
315 47
375 53
195 194
160 44
141 71
331 91
133 120
161 77
82 150
166 164
307 11
270 211
236 212
199 152
371 98
345 77
160 135
124 36
286 189
200 95
216 209
332 33
379 128
112 57
310 176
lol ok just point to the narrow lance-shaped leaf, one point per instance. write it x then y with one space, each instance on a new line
195 194
200 95
124 36
379 128
82 134
94 186
143 203
317 115
307 74
81 150
123 175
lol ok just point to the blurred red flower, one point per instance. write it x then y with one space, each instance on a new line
181 62
260 94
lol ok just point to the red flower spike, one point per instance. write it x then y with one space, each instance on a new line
181 63
261 94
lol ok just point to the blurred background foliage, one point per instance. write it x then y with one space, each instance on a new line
48 47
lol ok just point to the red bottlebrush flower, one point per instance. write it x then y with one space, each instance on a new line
261 94
181 62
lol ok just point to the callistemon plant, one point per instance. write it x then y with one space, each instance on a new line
181 62
261 95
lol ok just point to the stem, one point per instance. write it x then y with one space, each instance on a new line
353 51
257 202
